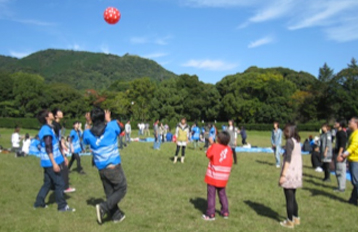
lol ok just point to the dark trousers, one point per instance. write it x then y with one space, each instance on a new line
206 143
234 154
353 169
121 143
327 173
52 179
316 159
243 141
75 156
211 200
182 150
64 171
291 203
115 187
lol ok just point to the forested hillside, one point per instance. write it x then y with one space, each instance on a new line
85 70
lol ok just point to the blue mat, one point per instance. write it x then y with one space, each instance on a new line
262 150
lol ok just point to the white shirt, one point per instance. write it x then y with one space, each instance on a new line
15 140
128 128
26 146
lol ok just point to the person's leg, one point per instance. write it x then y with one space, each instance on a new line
210 211
340 174
71 161
59 184
295 205
223 201
277 155
183 151
206 143
327 174
177 151
234 154
290 202
64 170
40 199
115 187
353 169
120 142
78 159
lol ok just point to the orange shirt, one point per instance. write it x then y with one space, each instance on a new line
219 168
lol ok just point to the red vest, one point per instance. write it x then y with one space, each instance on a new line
218 171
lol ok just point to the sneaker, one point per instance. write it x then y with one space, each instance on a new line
296 221
100 213
225 215
207 218
42 207
278 166
69 190
288 224
67 209
182 160
175 159
120 219
337 190
319 169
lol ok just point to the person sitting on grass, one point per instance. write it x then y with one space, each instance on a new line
217 175
51 159
102 139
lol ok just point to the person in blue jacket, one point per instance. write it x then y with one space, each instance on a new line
195 135
102 139
212 132
76 147
35 146
51 160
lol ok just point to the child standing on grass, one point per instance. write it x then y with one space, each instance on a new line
182 134
217 175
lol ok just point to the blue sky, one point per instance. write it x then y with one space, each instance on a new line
209 38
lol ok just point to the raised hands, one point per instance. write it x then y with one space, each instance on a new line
107 116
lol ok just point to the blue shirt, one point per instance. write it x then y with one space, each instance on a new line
76 142
46 130
196 133
169 137
212 133
34 147
105 148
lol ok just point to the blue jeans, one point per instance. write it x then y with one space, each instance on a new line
353 169
115 187
277 154
52 179
128 137
157 142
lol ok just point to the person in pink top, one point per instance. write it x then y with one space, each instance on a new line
217 174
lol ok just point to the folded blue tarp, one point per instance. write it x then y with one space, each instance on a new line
261 150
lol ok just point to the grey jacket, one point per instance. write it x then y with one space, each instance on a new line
326 142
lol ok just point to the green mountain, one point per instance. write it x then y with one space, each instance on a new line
86 70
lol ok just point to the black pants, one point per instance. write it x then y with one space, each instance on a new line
234 155
76 157
206 143
327 173
182 150
115 187
316 160
64 172
243 141
291 203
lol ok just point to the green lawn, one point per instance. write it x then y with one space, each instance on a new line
166 197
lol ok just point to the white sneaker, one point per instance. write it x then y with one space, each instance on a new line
319 169
278 166
182 160
175 159
69 190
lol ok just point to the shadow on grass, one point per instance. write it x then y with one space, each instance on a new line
263 210
317 192
312 176
94 201
265 162
52 198
318 184
199 204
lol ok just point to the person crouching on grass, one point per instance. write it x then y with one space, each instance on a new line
51 161
217 174
102 138
291 174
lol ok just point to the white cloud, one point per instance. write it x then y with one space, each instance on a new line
212 65
275 9
260 42
34 22
163 40
19 54
75 47
104 48
344 33
138 40
155 55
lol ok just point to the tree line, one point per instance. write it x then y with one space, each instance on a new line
255 96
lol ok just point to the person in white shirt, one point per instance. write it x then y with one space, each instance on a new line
15 141
128 130
26 145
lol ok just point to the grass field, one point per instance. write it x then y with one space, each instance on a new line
166 197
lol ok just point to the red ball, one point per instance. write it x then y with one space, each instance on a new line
112 15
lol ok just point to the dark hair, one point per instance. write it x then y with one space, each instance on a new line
97 115
27 136
342 123
325 125
224 138
42 115
17 129
74 123
291 131
54 111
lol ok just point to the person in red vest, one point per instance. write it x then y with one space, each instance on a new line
217 174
